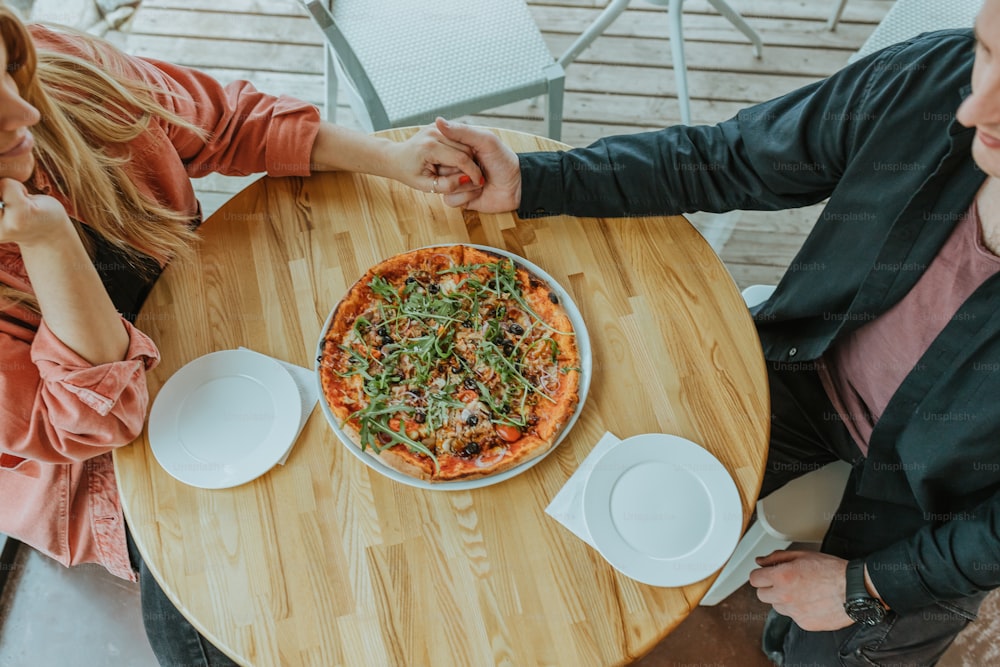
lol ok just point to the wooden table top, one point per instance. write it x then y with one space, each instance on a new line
323 561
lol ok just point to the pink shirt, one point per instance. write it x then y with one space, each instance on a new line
60 417
863 371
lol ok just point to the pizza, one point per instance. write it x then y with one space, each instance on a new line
450 363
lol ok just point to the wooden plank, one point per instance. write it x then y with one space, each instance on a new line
198 52
581 77
660 81
211 200
625 109
220 183
81 14
300 29
780 224
774 30
310 88
858 11
862 11
262 7
753 274
584 78
306 58
254 28
747 247
707 55
657 107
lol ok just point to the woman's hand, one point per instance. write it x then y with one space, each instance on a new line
428 161
31 220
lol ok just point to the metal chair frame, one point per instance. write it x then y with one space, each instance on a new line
675 16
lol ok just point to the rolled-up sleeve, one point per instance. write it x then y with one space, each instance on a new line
59 408
247 131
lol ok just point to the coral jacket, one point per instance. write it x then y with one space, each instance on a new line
60 416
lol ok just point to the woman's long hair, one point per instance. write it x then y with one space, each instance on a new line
90 109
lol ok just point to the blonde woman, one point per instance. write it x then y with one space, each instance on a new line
96 152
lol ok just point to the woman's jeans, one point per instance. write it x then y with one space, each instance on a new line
174 640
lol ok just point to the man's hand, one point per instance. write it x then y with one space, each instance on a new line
502 189
808 586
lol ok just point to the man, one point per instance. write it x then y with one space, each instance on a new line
883 338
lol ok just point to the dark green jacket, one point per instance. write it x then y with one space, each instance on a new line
880 141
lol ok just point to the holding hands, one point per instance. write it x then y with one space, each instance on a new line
470 167
501 190
431 162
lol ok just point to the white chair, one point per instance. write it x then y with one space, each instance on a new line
675 16
800 511
407 61
909 18
834 19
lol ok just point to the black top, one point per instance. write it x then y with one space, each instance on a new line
127 280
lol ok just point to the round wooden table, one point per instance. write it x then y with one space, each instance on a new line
323 561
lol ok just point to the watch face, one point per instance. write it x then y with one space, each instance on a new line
865 610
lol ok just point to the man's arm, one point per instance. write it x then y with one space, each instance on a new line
776 155
789 152
955 559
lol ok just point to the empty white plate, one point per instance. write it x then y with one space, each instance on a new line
662 510
224 419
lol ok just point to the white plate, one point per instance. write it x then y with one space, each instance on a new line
582 344
224 419
662 510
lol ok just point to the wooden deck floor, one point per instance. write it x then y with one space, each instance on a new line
622 83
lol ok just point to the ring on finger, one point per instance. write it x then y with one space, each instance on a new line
434 186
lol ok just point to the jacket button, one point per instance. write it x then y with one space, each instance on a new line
793 351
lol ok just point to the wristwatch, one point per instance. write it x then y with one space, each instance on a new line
861 607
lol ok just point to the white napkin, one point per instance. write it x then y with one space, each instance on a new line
305 380
567 506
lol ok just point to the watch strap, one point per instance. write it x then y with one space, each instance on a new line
856 589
